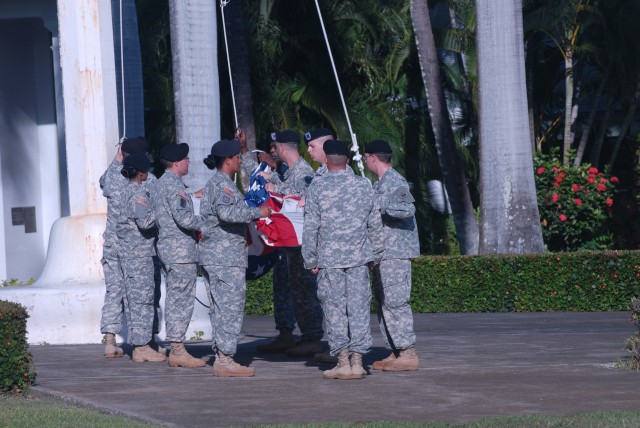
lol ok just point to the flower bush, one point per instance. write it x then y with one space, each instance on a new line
574 204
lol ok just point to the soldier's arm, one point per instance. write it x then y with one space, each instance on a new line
108 181
181 211
310 231
249 163
398 203
142 212
232 209
375 232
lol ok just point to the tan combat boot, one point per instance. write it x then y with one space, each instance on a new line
111 349
325 357
379 365
406 361
179 357
357 371
225 366
146 353
279 345
305 348
342 370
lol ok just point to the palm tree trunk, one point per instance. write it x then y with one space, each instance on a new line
568 106
450 162
509 219
195 81
586 133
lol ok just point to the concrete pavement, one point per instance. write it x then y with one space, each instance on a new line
472 366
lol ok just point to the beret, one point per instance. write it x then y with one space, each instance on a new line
139 161
336 147
225 148
378 146
135 145
286 136
317 133
174 152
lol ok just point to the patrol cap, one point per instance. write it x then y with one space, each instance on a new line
378 146
174 152
317 133
135 145
336 147
286 136
138 161
225 148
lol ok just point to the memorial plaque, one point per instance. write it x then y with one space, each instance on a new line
30 220
17 216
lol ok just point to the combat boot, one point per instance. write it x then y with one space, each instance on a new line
279 345
111 349
406 361
146 353
225 366
305 348
325 357
378 365
179 357
357 371
342 370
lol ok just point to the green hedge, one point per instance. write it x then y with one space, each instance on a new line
584 281
16 372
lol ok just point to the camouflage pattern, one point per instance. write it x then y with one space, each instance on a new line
223 254
342 234
177 230
295 180
346 298
397 209
227 292
249 163
392 278
304 293
136 234
113 185
225 216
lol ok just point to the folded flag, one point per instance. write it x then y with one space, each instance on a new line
284 227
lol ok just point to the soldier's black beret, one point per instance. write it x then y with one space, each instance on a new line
174 152
378 146
317 133
286 136
336 147
139 161
225 148
135 145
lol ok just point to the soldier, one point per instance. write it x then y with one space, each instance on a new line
392 278
282 301
315 139
136 236
223 253
341 241
306 305
177 231
113 186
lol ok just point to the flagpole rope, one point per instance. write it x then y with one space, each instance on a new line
124 103
354 147
223 3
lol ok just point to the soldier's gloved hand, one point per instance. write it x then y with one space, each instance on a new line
265 211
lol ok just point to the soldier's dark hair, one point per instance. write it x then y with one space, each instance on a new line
128 171
219 161
165 163
384 157
209 161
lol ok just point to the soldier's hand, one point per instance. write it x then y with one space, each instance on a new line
119 156
241 136
268 159
270 187
198 193
314 270
371 265
265 211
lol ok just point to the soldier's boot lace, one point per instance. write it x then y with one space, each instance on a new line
179 357
379 365
111 348
357 371
406 361
279 345
146 353
225 366
342 370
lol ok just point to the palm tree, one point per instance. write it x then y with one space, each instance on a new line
450 163
509 219
195 81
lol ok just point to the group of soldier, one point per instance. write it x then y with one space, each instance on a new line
351 229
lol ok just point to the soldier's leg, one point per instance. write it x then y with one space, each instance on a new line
157 280
139 286
396 284
333 297
228 293
379 295
306 305
113 307
180 298
358 301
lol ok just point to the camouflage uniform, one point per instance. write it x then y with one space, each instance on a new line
342 234
282 301
137 235
113 185
304 287
392 278
177 228
223 255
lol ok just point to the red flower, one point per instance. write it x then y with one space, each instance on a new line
555 170
541 170
554 197
609 202
593 170
578 202
590 179
614 179
562 218
601 187
575 187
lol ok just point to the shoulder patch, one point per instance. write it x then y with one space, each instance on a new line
402 195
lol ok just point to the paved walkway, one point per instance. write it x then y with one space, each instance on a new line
473 366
